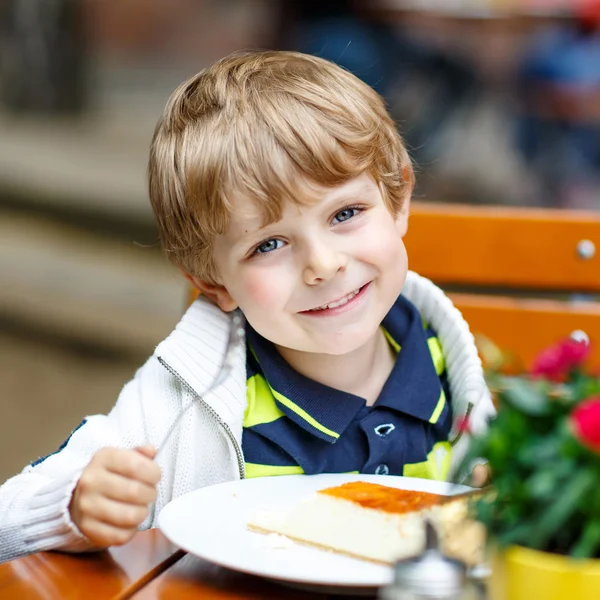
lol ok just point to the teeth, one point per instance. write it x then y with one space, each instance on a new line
337 303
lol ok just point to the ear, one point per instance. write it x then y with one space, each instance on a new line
214 292
402 217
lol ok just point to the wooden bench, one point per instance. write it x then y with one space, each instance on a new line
524 278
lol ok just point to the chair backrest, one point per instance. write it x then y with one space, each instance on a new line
525 278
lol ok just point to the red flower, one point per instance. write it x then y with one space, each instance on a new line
556 361
463 425
585 423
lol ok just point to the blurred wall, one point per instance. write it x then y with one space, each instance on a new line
85 293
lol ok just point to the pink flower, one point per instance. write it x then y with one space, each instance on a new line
585 423
556 361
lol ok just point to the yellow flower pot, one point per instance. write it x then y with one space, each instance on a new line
523 574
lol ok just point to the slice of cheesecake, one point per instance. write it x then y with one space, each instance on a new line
377 523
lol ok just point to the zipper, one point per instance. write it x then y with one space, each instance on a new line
213 413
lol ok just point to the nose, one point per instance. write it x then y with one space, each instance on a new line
322 263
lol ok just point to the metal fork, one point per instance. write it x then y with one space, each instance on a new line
234 341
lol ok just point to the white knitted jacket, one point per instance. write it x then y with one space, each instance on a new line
206 449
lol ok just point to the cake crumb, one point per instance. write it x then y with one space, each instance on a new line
276 541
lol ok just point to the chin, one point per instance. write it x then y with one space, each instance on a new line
342 345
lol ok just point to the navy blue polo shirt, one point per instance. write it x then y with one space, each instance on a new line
293 424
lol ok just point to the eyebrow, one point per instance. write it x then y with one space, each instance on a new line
353 194
344 196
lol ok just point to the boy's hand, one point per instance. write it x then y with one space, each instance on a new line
112 495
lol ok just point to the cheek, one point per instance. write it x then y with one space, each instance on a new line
257 289
259 292
383 245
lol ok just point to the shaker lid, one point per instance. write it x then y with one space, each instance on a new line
432 574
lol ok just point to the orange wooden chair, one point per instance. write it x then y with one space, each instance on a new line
524 278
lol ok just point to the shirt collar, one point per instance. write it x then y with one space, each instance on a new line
413 386
321 410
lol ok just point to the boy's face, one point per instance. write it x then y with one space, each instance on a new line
322 278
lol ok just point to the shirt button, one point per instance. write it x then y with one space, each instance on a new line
382 470
383 429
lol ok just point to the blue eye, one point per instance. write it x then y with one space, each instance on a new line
345 214
268 246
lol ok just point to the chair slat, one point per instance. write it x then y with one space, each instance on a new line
504 247
524 327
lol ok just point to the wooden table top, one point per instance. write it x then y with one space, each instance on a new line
116 573
147 568
193 578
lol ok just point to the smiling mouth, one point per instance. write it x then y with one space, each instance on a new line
336 303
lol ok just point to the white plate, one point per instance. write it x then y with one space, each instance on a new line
211 523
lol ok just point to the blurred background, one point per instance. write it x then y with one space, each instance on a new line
498 100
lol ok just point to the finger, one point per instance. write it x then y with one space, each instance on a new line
133 465
111 512
101 482
480 475
104 535
147 450
122 489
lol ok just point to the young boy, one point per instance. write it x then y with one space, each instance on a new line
281 187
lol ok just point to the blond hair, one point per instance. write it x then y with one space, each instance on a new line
261 124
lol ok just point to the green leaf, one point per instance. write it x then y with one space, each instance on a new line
517 535
539 451
588 545
542 484
523 395
566 504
